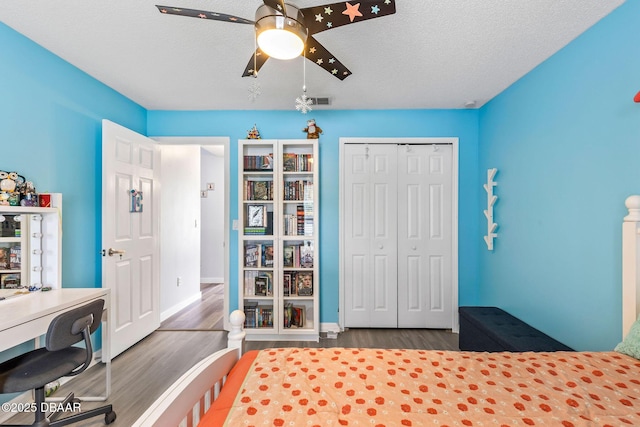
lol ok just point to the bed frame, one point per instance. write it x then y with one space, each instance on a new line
186 400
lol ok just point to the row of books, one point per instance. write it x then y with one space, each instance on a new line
257 316
298 190
258 283
298 256
256 163
297 283
292 162
300 223
261 316
258 255
258 190
294 316
10 257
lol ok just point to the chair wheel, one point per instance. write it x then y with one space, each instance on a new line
110 417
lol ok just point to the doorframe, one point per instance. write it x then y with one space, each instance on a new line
454 142
224 141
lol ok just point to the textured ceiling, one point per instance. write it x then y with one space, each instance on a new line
430 54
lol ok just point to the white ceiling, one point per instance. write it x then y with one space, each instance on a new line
430 54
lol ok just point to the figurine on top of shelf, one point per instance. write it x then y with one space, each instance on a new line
10 180
313 131
253 133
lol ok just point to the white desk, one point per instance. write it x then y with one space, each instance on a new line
27 317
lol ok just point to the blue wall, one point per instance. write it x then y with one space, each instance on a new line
336 124
566 142
50 132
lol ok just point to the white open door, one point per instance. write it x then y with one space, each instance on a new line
130 234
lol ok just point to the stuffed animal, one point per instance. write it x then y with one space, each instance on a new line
313 131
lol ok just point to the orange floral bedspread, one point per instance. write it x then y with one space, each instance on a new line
368 387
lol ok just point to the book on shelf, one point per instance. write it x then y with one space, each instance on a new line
256 216
252 255
300 220
287 256
306 254
294 316
9 281
15 258
267 255
286 284
255 231
304 284
250 314
261 283
4 258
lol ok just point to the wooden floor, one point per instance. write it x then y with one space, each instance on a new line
142 373
205 314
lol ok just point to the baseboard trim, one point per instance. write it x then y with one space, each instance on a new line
331 329
182 304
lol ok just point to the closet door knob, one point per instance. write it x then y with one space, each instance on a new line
380 247
414 248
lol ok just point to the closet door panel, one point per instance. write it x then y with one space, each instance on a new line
424 239
357 232
384 244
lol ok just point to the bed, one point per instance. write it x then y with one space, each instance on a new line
389 387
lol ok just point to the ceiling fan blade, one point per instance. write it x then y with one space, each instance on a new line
277 5
255 63
328 16
320 56
203 14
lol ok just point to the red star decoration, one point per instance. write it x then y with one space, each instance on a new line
352 11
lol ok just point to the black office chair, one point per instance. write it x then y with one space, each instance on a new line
37 368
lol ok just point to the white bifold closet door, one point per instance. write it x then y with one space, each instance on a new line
398 236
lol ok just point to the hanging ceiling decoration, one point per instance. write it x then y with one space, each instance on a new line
291 29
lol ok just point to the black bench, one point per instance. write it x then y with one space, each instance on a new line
493 329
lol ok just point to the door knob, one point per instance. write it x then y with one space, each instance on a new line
380 247
112 252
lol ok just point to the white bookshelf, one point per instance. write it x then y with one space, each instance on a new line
278 238
34 235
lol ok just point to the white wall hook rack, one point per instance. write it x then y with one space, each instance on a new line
488 213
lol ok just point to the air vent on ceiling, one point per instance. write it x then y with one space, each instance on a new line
320 101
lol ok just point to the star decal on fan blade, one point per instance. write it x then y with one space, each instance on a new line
352 11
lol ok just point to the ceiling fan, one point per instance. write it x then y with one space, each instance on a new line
284 25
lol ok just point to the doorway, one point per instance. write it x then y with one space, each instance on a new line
196 296
398 210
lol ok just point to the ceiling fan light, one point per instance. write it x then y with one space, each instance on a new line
278 36
280 44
